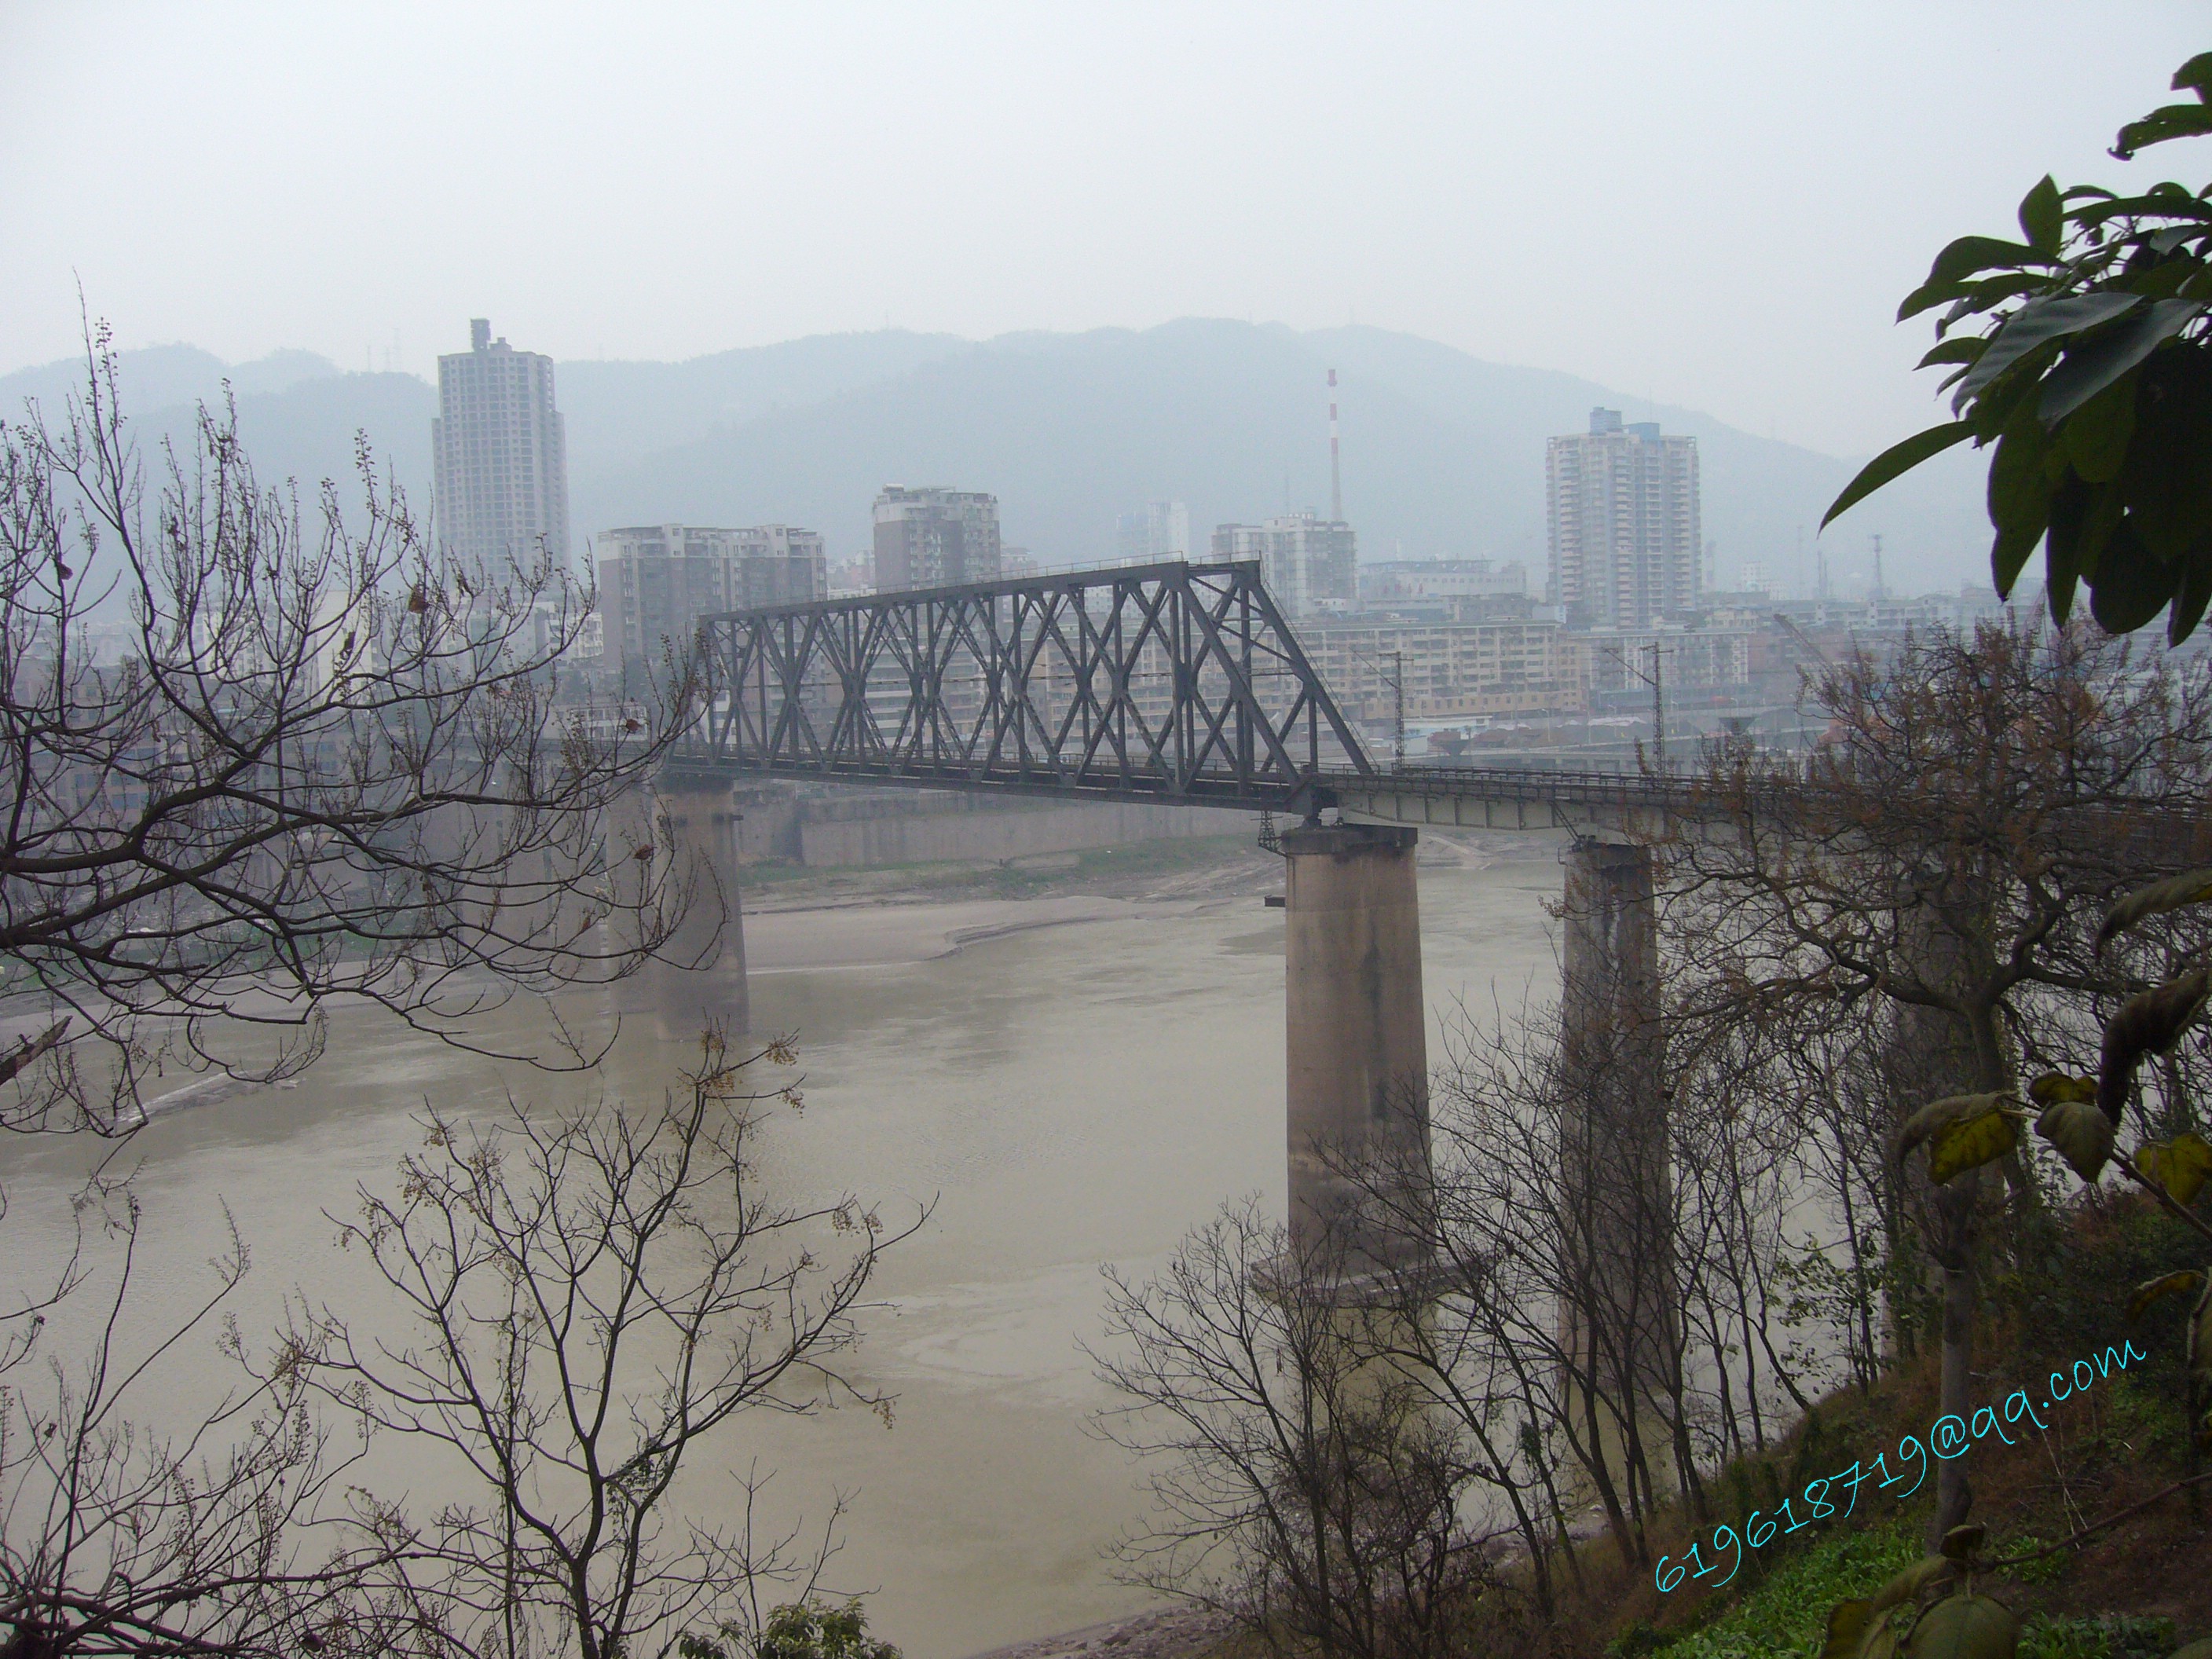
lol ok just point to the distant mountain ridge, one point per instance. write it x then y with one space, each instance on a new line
1444 454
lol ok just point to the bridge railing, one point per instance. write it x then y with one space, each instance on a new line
1174 680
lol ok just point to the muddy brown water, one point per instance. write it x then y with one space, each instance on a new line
1064 1095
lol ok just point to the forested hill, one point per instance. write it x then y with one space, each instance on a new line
1444 454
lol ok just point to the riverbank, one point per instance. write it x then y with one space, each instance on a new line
1171 1632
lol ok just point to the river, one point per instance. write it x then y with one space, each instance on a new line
1065 1094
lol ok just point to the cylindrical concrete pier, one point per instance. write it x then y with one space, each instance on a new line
1616 1208
1357 1078
695 815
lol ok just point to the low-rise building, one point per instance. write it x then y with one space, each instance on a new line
1438 585
1617 662
1450 671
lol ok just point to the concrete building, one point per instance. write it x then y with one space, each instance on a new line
1452 671
1309 564
935 537
499 454
1622 506
657 580
1161 531
1438 585
1690 660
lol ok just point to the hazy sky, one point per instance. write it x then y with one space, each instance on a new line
1708 204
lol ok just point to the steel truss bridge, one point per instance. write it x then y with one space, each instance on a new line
1174 681
1178 682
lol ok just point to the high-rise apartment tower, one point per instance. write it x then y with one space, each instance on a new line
499 453
1162 531
1309 564
935 539
656 582
1623 510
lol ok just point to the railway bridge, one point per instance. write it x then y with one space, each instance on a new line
1181 684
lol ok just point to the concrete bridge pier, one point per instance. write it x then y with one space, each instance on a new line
695 814
1616 1206
1357 1076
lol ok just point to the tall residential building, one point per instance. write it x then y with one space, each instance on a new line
1309 564
1623 509
1162 531
935 537
656 582
500 455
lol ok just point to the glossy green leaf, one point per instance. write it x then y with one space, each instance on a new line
2082 1134
2038 323
2167 478
1965 1627
1969 1141
2008 553
2054 1086
2043 215
2191 887
2180 1165
1938 1115
1926 297
1897 459
2191 593
1969 256
2019 484
1958 349
2088 368
2132 585
2069 510
2161 125
1989 293
1848 1623
2095 436
2148 1023
2196 76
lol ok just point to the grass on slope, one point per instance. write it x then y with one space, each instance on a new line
1788 1614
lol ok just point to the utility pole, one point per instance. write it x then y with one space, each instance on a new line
1656 680
1394 677
1398 712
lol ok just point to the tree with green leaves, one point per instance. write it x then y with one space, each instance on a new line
2081 357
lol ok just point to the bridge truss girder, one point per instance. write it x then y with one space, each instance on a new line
1174 682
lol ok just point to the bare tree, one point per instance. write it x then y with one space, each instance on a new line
1942 866
117 1538
593 1298
327 760
1299 1486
